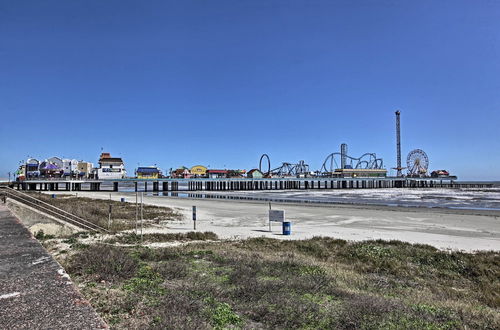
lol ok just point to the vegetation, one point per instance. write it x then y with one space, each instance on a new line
41 236
123 214
321 283
133 238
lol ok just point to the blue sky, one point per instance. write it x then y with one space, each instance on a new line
220 82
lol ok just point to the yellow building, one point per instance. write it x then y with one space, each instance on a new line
199 170
150 172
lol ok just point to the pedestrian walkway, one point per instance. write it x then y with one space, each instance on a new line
35 292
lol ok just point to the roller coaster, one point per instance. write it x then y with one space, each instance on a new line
286 169
335 160
340 160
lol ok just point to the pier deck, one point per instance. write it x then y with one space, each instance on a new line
240 184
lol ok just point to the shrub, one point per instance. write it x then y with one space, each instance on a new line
41 236
103 262
146 282
222 315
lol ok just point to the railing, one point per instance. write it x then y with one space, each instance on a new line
52 210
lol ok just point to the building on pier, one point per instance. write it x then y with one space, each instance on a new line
56 161
110 167
32 168
181 173
85 169
199 171
148 172
255 174
50 170
215 174
21 173
359 173
236 173
70 167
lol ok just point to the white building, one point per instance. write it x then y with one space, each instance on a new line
70 167
110 168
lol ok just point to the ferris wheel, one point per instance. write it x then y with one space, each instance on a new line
417 163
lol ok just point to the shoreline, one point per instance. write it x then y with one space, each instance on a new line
349 205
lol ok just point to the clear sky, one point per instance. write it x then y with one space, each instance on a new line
220 82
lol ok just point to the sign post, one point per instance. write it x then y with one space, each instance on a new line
277 216
109 217
270 229
194 217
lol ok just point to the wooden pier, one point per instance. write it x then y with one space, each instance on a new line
240 184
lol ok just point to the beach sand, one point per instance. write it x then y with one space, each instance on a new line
467 230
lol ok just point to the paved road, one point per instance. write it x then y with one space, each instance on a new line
35 292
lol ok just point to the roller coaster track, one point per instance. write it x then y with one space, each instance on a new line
52 210
366 161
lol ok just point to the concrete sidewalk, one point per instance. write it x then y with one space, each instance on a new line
35 292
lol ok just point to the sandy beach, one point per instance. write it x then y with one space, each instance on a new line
467 230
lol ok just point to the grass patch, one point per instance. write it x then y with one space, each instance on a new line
133 238
123 214
264 283
103 263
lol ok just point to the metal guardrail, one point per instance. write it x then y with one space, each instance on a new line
52 210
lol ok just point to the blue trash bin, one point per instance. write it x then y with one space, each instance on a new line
122 200
53 195
287 228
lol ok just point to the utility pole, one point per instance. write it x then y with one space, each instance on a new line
142 214
136 211
109 215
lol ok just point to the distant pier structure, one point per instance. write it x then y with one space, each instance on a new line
398 167
240 184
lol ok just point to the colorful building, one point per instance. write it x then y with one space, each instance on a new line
32 168
182 172
21 173
255 174
148 172
199 171
50 170
56 161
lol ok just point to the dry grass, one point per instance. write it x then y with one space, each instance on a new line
133 238
263 283
123 215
